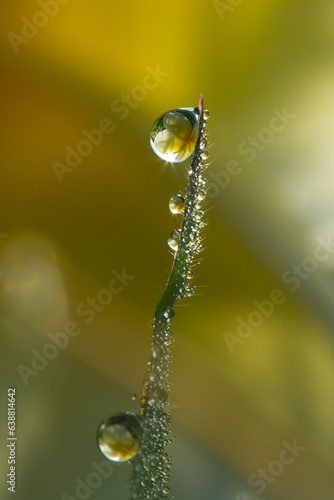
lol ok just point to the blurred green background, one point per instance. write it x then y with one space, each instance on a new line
65 67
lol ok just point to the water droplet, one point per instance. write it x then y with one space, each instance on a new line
190 274
176 204
174 134
174 239
133 397
201 195
156 351
166 489
160 395
206 114
118 436
189 291
205 154
203 144
153 376
169 313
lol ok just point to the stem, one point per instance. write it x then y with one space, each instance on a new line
151 465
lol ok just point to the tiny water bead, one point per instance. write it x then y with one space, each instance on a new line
176 204
174 239
159 395
169 313
205 154
206 114
118 436
174 134
156 351
190 274
201 195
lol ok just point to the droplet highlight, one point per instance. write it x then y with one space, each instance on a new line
174 239
206 114
174 134
203 144
118 436
169 313
156 351
177 204
190 274
201 195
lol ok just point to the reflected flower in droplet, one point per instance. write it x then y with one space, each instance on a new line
174 134
118 436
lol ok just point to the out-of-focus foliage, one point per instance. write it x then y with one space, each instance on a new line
267 75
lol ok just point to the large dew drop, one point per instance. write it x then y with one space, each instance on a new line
118 436
174 134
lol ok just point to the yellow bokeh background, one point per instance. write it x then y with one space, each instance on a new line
61 236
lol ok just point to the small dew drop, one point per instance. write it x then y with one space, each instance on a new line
174 239
169 313
201 195
153 376
206 114
189 291
176 204
203 144
205 154
166 490
174 134
118 436
133 397
190 274
161 395
156 351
